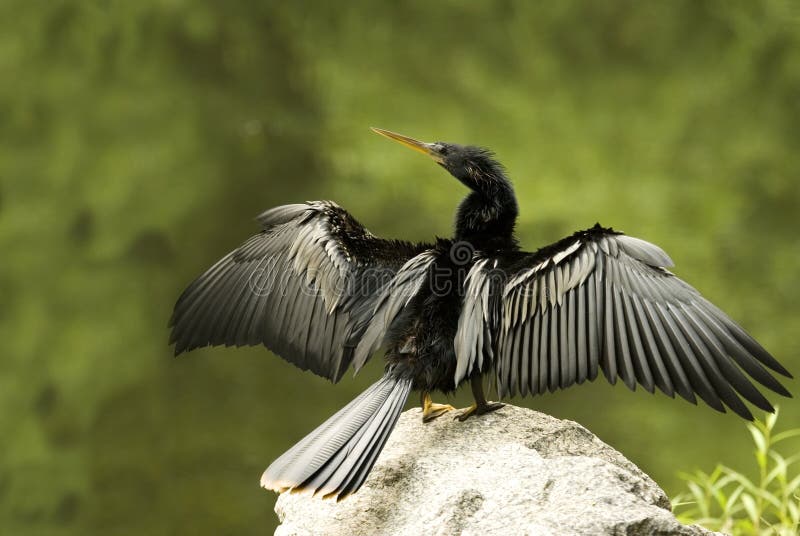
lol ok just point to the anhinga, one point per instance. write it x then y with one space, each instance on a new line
318 289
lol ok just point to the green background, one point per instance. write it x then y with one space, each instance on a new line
139 139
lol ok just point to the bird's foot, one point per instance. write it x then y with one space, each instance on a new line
476 409
433 410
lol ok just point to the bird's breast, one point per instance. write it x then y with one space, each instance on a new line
424 344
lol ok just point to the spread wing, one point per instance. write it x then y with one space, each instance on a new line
603 300
305 287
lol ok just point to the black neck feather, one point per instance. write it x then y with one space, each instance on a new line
486 217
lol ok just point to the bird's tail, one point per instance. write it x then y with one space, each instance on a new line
335 459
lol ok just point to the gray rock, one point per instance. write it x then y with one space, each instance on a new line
514 471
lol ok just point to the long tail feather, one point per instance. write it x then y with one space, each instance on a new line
335 459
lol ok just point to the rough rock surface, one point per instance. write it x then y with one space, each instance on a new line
514 471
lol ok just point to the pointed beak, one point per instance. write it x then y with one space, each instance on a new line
422 147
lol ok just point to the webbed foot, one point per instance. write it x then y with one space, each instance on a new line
432 410
476 409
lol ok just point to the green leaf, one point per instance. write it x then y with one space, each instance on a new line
795 432
733 499
751 508
794 511
769 497
761 459
793 485
780 469
758 437
740 478
771 418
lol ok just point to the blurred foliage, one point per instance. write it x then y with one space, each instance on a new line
138 140
726 500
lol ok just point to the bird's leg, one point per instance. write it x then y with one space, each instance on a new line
480 406
430 409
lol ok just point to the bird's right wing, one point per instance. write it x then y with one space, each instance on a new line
306 287
600 300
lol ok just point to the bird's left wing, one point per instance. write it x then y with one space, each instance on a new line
306 287
603 300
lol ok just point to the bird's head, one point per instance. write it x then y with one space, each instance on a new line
474 166
489 212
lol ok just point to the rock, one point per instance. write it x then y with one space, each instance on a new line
514 471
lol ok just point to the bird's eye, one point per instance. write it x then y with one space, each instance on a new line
443 150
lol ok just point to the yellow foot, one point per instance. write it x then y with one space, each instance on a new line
435 410
431 410
475 409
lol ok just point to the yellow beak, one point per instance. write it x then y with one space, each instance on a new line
422 147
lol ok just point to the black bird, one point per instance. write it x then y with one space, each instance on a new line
318 289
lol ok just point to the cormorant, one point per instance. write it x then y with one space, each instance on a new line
318 289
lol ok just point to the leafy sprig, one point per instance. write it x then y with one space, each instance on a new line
728 501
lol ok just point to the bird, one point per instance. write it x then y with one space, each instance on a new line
316 288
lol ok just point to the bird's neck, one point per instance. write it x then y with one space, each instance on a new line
486 217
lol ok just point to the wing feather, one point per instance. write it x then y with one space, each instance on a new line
582 320
600 300
555 364
305 287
